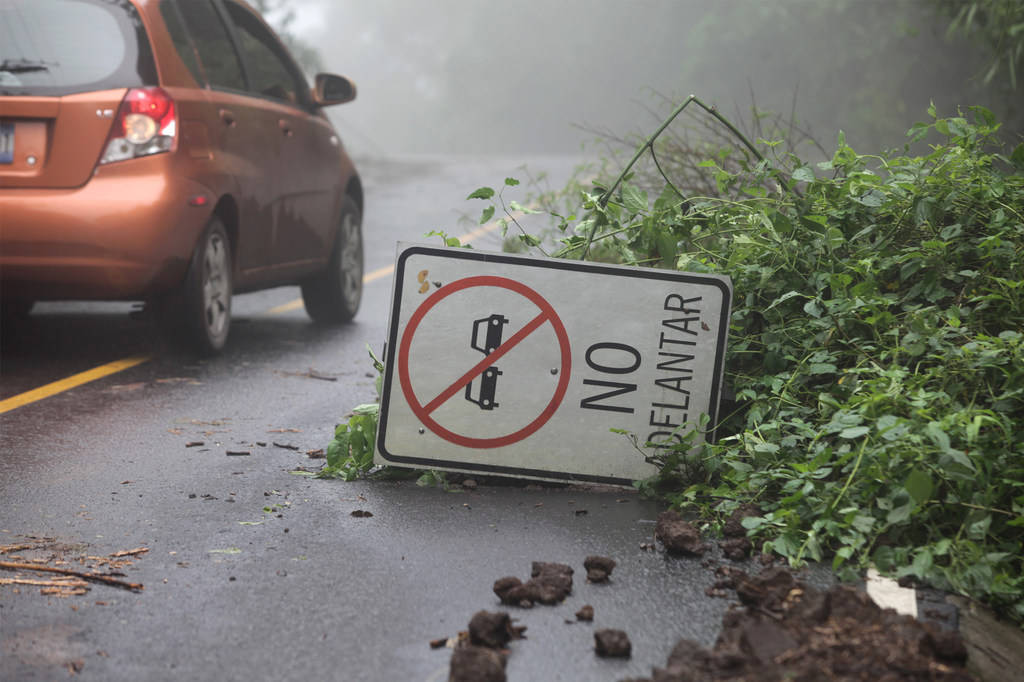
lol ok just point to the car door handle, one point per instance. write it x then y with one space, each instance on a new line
228 117
286 128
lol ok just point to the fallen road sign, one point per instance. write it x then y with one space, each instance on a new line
511 365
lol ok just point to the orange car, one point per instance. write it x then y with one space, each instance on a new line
169 151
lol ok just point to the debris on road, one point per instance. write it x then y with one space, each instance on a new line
586 613
493 630
599 568
238 453
678 536
480 653
130 552
610 643
549 584
309 374
47 555
362 514
789 630
477 664
736 545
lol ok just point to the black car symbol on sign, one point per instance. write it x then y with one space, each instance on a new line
495 327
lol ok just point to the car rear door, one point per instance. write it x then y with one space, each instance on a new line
244 136
310 162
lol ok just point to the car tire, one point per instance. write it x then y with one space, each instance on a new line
200 314
333 296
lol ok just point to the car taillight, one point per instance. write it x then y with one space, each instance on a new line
146 123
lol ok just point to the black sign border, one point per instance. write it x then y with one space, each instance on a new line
549 264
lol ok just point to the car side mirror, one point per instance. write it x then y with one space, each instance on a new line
331 89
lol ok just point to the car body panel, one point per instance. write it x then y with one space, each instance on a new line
273 171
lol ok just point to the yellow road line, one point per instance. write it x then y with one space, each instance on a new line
388 269
70 382
297 303
119 365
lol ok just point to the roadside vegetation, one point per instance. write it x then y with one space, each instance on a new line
876 349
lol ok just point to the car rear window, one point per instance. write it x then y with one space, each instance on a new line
60 47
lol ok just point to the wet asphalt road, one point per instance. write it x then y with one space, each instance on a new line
257 572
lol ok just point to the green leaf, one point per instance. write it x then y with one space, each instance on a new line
978 528
487 214
667 248
835 237
919 485
634 199
1017 157
803 174
516 206
854 432
481 193
511 182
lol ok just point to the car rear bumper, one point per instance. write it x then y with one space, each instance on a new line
126 234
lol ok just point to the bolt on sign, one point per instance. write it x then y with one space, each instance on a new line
510 365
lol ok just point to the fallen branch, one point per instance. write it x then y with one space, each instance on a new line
130 552
106 579
7 549
67 582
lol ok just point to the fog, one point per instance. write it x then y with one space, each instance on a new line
539 76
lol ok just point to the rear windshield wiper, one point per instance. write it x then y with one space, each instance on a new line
21 65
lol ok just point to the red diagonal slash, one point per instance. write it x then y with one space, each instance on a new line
479 367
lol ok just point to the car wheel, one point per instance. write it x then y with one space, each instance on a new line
333 296
201 313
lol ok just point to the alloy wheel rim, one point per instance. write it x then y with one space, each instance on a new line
216 285
351 261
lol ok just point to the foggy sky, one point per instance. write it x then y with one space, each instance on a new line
519 76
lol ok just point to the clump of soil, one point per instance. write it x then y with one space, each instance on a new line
493 630
599 568
477 664
585 613
549 583
612 643
678 536
787 630
481 657
736 545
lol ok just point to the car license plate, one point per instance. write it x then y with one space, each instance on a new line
6 141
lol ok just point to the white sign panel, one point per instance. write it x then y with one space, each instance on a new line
503 364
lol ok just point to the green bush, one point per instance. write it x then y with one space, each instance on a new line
875 350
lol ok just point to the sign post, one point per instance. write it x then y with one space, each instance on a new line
511 365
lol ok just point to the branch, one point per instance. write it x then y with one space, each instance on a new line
106 579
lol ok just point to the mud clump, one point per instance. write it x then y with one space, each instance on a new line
787 630
736 549
586 613
493 630
733 527
610 643
599 568
678 536
736 545
481 657
549 584
477 664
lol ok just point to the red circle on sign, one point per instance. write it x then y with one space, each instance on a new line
547 315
